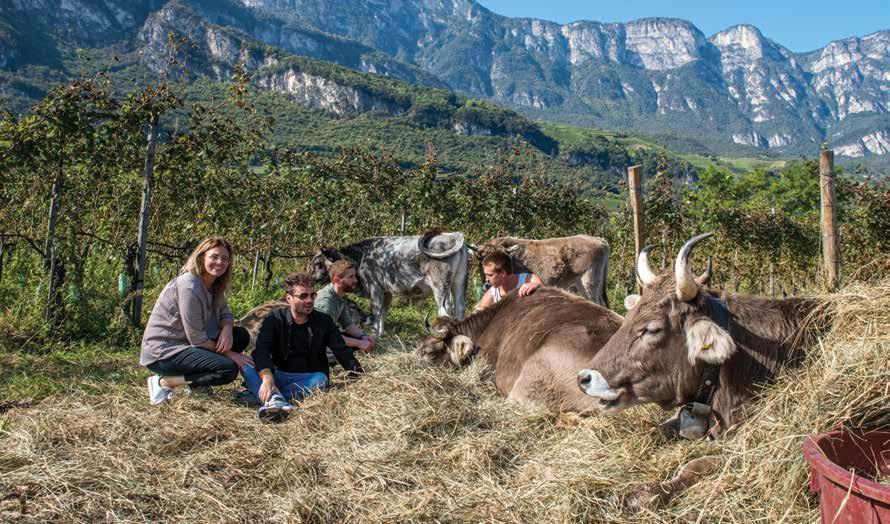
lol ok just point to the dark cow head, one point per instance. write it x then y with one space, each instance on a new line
320 262
667 340
443 346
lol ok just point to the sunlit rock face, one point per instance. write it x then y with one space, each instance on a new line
324 93
876 143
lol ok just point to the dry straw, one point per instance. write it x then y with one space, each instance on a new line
415 443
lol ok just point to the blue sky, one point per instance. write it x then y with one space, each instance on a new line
798 25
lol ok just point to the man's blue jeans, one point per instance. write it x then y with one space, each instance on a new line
293 386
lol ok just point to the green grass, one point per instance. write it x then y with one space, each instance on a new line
569 135
90 367
736 165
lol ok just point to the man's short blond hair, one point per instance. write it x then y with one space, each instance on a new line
500 260
339 269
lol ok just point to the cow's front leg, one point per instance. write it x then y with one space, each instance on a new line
458 298
379 305
652 496
440 295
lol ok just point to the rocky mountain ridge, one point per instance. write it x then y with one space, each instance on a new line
657 76
653 75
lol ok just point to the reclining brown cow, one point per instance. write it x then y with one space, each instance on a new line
535 344
684 345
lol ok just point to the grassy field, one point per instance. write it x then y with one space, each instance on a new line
568 135
409 442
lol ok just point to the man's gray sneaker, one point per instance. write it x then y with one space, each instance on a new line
157 394
275 410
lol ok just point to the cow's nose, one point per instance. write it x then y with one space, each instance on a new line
583 378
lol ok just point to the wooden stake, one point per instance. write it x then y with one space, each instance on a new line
256 263
634 174
144 218
830 245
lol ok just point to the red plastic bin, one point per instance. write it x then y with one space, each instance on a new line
838 460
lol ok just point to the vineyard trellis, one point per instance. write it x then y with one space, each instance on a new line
73 170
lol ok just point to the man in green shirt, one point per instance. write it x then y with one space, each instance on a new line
332 301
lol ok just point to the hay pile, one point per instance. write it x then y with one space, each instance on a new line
414 442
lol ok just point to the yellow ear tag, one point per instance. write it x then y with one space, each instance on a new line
707 346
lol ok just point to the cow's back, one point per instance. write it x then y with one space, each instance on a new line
569 329
253 319
558 259
577 264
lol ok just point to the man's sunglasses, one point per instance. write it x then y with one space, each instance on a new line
304 296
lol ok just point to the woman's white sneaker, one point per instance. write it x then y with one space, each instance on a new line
157 394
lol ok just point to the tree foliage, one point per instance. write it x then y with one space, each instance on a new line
217 172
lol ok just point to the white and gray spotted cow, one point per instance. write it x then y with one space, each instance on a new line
434 262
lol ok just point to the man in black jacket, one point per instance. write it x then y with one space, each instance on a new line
290 359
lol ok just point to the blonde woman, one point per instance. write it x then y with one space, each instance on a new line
189 338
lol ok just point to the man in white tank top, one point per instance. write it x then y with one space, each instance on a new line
498 273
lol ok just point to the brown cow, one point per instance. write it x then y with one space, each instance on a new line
683 344
576 264
535 345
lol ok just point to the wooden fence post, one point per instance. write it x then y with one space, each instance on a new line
830 247
634 173
144 218
53 301
256 263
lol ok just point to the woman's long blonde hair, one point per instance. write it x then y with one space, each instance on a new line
195 265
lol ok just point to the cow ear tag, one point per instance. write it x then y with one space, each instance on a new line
461 349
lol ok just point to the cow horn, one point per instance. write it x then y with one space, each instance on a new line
435 333
687 288
512 249
644 272
705 277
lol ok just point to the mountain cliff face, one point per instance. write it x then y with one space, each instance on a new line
657 76
652 75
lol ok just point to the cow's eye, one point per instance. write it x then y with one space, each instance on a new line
652 330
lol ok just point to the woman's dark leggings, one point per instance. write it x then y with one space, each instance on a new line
202 367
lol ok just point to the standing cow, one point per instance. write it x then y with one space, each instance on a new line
578 264
434 262
534 343
682 344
